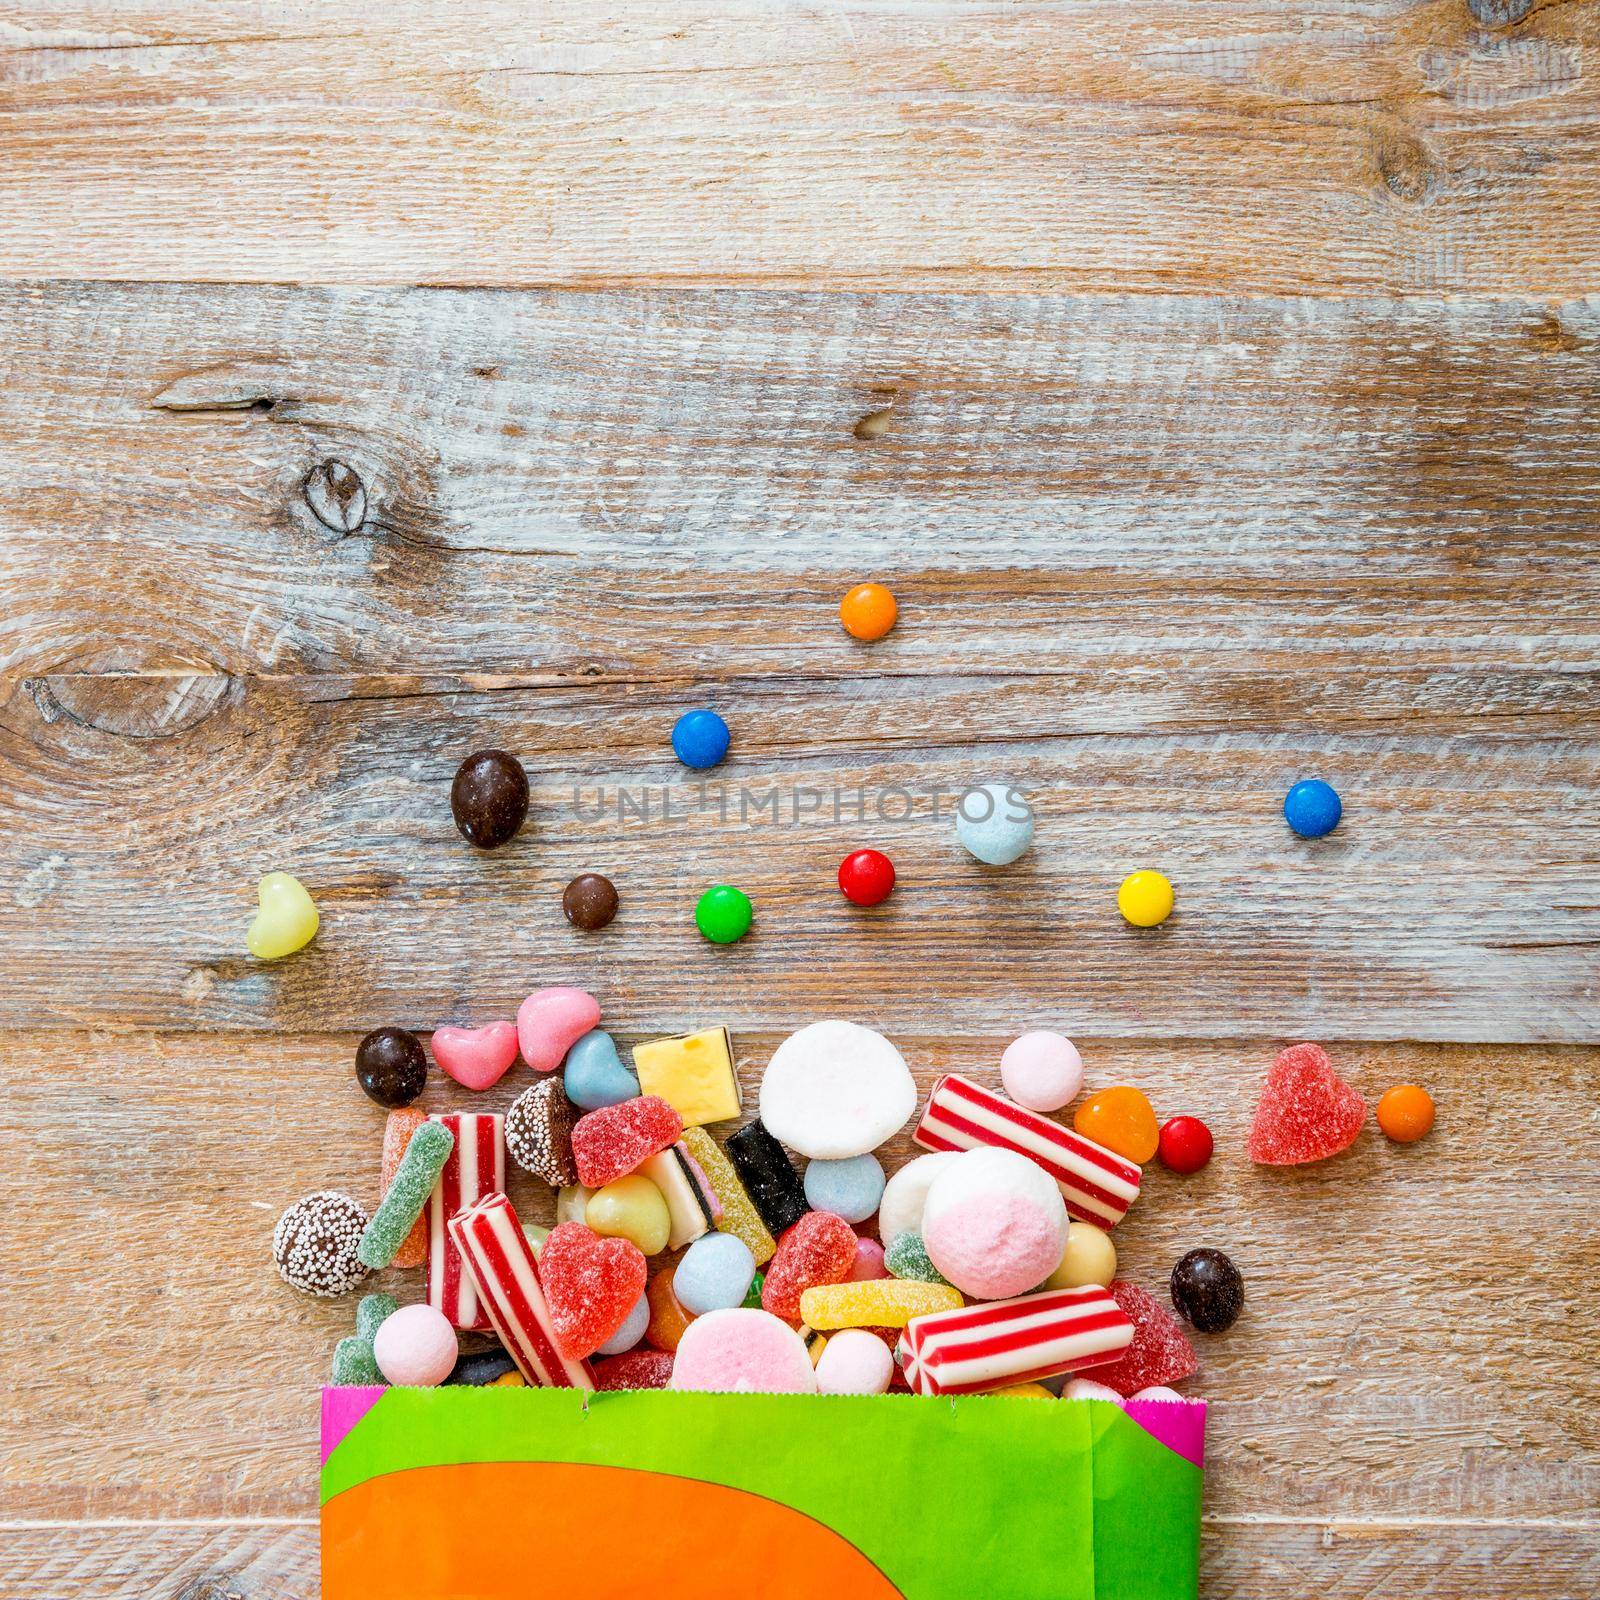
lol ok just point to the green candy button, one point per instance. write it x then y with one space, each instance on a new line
724 914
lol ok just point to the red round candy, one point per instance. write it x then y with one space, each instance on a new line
866 877
1185 1144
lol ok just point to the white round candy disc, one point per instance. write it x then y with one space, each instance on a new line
835 1090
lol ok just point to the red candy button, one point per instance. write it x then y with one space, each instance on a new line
866 877
1185 1144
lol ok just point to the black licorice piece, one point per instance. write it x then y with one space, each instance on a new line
765 1171
481 1368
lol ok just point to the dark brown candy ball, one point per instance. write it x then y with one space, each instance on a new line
391 1066
489 798
1208 1290
590 901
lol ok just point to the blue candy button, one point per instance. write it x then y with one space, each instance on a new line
700 739
1312 808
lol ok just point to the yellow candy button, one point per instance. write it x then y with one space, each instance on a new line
1145 899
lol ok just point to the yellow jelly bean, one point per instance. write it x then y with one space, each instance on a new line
1026 1391
1145 899
631 1208
877 1303
1121 1120
287 920
1090 1257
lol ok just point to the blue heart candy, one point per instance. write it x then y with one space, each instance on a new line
594 1075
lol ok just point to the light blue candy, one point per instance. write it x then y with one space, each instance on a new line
995 822
850 1189
631 1331
595 1076
714 1274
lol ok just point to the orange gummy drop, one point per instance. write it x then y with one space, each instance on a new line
1405 1113
668 1319
1121 1120
868 611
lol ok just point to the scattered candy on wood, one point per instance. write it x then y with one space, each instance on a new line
398 1128
391 1066
883 1303
416 1347
1041 1070
1312 808
590 1285
850 1188
594 1075
994 822
738 1351
855 1362
1159 1351
835 1089
1184 1145
1121 1120
1089 1258
475 1171
1405 1113
477 1058
425 1156
1145 899
538 1132
906 1193
714 1274
994 1224
631 1208
723 914
489 798
819 1248
1306 1112
551 1021
866 877
700 739
750 1162
317 1243
1208 1290
631 1331
868 611
609 1143
590 902
695 1075
286 919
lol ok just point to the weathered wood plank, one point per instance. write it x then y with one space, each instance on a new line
1376 1366
1325 146
671 484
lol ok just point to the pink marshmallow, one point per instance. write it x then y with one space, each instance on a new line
854 1362
415 1347
550 1022
1041 1070
742 1351
994 1224
869 1263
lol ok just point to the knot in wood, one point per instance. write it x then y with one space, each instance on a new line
1499 13
336 495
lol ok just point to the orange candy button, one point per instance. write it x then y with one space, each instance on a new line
868 611
1121 1120
1405 1113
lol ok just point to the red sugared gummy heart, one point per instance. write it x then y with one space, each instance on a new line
1306 1112
1159 1353
591 1283
634 1369
609 1143
819 1248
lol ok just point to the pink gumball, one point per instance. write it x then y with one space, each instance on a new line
1041 1070
994 1224
415 1347
854 1362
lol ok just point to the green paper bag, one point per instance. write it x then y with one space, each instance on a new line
551 1494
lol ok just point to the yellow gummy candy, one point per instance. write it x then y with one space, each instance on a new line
739 1215
287 920
694 1075
877 1303
631 1208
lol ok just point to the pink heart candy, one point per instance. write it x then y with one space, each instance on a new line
477 1058
550 1022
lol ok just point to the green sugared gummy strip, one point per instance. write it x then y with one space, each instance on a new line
907 1257
372 1313
353 1362
419 1170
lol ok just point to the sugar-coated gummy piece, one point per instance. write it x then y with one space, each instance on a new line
477 1058
638 1369
482 1368
715 1273
820 1248
594 1076
610 1143
476 1169
372 1311
1121 1120
835 1089
1306 1112
572 1203
416 1347
737 1213
994 822
680 1181
1097 1185
1003 1342
539 1132
631 1331
495 1252
668 1319
884 1303
869 1262
1041 1070
590 1285
742 1352
695 1075
631 1208
317 1241
1089 1258
551 1021
768 1178
427 1151
1159 1351
354 1365
850 1188
906 1192
397 1130
907 1257
995 1224
855 1362
1089 1389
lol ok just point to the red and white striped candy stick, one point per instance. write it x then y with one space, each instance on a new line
1012 1341
477 1167
1097 1184
499 1259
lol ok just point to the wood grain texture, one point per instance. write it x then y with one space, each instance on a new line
1324 146
1379 1362
1349 510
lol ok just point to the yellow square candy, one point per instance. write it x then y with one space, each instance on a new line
694 1075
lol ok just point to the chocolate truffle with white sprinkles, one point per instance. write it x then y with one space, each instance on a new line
315 1243
539 1132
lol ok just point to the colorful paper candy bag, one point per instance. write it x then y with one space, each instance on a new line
518 1494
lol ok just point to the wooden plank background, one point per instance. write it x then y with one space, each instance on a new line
1232 416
